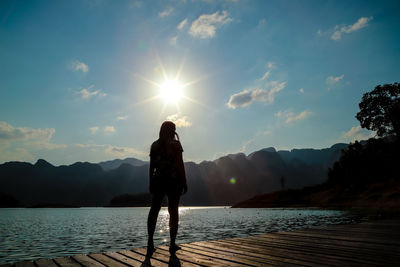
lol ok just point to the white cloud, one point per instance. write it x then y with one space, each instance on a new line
357 133
361 23
25 138
206 25
86 93
121 118
109 129
247 97
79 66
115 151
173 40
301 90
271 65
118 151
165 12
94 129
334 80
11 133
265 76
292 117
182 24
180 121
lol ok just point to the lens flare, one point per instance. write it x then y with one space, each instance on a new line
232 180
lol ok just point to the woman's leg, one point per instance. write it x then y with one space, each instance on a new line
152 219
173 204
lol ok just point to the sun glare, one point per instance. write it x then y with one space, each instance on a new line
171 91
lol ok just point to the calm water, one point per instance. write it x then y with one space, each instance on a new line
27 234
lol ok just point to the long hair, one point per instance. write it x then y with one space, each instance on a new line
167 131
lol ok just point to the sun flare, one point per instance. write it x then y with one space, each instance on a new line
171 91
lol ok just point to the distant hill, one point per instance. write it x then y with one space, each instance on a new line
113 164
366 175
224 181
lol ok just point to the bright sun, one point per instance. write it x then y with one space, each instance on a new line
171 91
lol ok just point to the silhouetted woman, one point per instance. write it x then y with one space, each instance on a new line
167 177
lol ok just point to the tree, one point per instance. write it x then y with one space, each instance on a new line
380 110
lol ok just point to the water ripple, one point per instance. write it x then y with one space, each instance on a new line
27 234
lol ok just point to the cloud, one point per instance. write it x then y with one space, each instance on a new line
86 93
334 80
247 97
361 23
79 66
271 65
109 129
118 151
94 129
11 133
182 24
27 137
301 90
292 117
357 133
121 118
206 25
265 76
173 40
166 12
179 121
115 151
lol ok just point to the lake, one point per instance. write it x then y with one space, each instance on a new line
27 234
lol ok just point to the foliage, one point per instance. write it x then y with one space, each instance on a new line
380 110
362 163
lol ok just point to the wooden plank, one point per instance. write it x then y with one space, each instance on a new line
25 264
324 240
67 262
106 260
45 263
86 261
286 259
314 248
173 259
331 247
156 254
226 256
304 257
258 257
242 258
143 259
201 259
123 259
322 234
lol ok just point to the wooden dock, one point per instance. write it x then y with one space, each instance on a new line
375 243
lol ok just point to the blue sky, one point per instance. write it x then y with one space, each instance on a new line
80 80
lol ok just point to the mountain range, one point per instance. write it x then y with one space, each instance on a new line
224 181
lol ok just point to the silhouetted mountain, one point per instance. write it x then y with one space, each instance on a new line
8 201
113 164
130 200
366 175
224 181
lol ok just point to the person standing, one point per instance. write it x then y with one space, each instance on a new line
167 177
